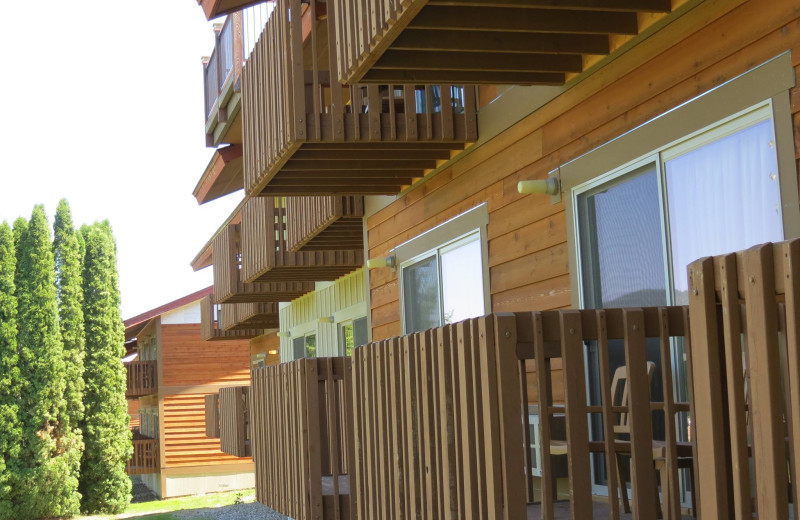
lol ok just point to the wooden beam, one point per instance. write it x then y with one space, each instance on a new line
332 190
383 145
650 6
299 164
525 20
381 155
479 61
488 41
323 182
466 77
308 175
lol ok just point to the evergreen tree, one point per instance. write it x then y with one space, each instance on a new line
20 228
10 384
69 290
104 483
48 450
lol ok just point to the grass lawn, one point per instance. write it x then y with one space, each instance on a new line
161 509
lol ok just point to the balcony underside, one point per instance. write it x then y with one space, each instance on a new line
524 42
250 316
359 168
324 223
268 292
216 8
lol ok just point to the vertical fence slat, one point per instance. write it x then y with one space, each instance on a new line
791 269
575 398
544 387
612 471
766 412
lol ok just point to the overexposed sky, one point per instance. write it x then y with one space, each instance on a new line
103 105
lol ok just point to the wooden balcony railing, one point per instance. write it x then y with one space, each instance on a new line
426 41
145 457
265 252
745 312
309 135
212 415
229 286
324 223
221 81
234 420
310 402
142 378
442 424
242 316
210 329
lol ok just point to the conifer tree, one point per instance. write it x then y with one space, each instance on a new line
69 290
10 384
104 483
20 228
48 450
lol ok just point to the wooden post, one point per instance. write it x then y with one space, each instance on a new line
712 454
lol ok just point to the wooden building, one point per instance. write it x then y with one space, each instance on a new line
532 156
167 383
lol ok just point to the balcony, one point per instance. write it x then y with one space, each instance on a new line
309 135
145 457
535 42
241 316
142 378
234 420
324 223
212 415
440 421
210 328
229 287
266 256
221 79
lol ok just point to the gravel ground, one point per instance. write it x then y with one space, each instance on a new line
252 511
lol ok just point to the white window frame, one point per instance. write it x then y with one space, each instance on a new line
460 230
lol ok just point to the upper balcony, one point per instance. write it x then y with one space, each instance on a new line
524 42
210 327
307 134
265 251
221 78
229 285
142 378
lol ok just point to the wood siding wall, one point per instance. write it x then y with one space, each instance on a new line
188 360
528 256
185 440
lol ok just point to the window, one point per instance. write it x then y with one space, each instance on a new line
443 273
714 175
352 334
305 346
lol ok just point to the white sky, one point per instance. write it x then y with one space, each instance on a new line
103 105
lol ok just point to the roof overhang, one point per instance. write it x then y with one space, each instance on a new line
216 8
135 324
222 176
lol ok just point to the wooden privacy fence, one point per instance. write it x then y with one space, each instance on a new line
307 133
745 313
145 456
212 415
302 437
234 421
142 378
438 424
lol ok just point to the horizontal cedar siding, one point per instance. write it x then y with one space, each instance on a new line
185 440
188 360
528 258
